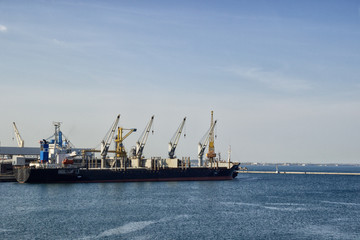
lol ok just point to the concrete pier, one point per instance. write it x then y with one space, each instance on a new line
283 172
7 178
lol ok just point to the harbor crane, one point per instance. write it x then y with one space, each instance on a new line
211 153
140 144
19 140
120 149
105 143
204 142
175 139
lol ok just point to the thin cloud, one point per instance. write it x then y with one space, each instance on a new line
3 28
58 42
272 79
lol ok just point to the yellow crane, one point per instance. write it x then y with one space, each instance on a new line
207 139
211 154
120 149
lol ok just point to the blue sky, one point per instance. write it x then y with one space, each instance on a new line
281 76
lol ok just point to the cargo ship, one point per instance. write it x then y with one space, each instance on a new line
61 163
83 175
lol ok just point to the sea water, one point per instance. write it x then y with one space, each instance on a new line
252 206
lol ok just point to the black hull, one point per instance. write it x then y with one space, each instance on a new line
83 175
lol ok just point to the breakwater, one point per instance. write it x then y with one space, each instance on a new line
292 172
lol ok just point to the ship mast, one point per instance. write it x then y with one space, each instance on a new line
229 155
58 138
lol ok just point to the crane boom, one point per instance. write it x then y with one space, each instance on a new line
130 131
105 143
204 142
19 140
175 139
140 144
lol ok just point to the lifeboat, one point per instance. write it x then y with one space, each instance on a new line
68 161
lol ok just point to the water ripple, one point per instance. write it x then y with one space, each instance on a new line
127 228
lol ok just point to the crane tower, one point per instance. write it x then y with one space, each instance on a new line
211 153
